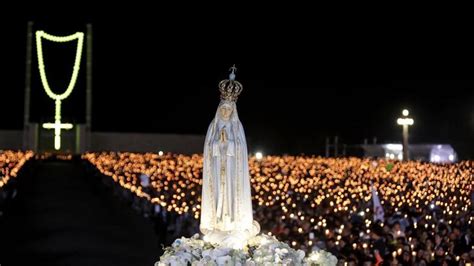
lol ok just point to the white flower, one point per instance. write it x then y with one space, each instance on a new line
321 257
261 250
204 262
176 243
301 254
225 260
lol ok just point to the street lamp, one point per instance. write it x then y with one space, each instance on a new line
405 121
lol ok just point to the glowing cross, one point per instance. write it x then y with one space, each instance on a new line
57 126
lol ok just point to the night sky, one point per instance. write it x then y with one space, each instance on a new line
153 75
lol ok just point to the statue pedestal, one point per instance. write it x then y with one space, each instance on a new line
259 250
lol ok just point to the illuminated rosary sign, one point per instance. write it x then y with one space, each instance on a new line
57 125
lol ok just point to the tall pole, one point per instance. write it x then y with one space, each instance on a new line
405 143
26 107
405 121
336 139
89 86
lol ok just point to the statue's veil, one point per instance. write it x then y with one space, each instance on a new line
242 180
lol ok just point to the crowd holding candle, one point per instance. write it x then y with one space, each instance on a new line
10 163
327 202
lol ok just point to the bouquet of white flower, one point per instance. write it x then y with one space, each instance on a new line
261 250
320 258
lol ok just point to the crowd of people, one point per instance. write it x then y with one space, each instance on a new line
314 202
10 164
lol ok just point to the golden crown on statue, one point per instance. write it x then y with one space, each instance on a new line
230 88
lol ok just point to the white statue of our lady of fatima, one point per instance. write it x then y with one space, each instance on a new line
226 208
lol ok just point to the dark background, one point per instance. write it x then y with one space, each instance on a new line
303 80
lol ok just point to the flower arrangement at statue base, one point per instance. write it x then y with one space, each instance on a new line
260 250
